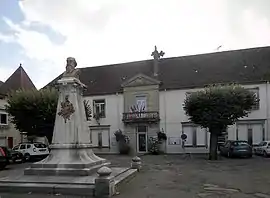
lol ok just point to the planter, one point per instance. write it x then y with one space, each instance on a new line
162 146
124 148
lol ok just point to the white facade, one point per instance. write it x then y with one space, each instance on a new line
114 105
9 136
174 122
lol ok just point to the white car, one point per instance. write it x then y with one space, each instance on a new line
30 150
263 149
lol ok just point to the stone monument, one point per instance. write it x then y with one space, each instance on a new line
71 152
71 167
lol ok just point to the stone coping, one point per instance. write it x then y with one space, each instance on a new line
71 146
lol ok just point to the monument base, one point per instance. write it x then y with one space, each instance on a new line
62 185
68 160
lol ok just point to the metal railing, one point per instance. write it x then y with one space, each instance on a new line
147 116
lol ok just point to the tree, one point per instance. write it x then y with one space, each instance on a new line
217 107
34 111
88 110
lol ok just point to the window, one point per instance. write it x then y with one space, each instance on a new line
16 148
100 137
3 119
142 129
141 103
38 145
256 92
196 136
240 143
99 108
23 146
28 146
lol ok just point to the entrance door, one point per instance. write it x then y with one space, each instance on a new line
141 139
10 142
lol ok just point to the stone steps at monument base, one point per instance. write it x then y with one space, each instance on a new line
125 177
65 185
38 188
64 171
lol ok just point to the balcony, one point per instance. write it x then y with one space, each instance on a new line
136 117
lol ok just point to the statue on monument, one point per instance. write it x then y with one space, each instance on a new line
71 70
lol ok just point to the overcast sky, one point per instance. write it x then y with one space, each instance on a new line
41 34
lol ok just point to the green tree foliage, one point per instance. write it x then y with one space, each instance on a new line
34 111
216 107
88 110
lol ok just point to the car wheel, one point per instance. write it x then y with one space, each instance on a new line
27 156
265 154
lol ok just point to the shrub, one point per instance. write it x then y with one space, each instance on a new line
123 142
153 145
161 136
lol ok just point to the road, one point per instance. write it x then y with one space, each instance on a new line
174 176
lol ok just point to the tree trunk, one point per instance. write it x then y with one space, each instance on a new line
213 145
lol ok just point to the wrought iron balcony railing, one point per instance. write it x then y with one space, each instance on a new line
144 116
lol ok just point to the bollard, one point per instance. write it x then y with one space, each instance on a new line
104 183
136 163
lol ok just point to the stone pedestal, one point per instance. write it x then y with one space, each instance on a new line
71 152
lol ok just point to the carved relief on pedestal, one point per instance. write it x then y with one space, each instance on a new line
67 109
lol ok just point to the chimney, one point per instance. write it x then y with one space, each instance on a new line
156 56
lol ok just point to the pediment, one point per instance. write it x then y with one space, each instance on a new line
140 80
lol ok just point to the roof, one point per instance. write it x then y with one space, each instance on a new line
1 82
239 66
18 80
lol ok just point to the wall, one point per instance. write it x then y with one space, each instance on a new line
114 109
10 131
172 115
151 92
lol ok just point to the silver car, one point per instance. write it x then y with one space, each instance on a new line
263 149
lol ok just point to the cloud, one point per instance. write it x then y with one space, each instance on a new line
100 32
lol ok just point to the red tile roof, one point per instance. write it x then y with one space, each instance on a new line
18 80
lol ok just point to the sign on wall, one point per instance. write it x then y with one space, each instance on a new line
174 140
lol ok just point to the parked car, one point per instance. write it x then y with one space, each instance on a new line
236 148
263 149
32 150
13 156
3 159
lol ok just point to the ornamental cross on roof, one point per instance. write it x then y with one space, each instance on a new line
157 54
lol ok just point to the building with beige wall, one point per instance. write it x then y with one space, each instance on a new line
144 97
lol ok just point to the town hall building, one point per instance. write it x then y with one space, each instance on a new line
144 97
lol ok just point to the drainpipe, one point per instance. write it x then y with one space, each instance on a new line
165 111
118 111
165 119
267 113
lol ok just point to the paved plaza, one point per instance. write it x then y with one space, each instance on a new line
173 176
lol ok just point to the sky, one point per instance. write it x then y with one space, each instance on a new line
41 34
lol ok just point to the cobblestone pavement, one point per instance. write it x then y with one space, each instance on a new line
174 176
